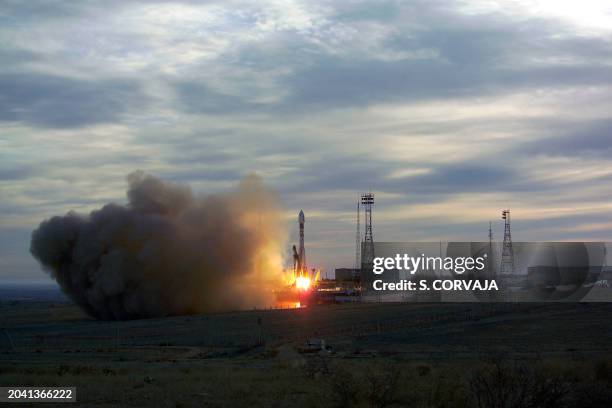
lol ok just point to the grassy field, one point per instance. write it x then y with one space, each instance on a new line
422 355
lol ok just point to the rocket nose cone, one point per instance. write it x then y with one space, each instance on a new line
301 217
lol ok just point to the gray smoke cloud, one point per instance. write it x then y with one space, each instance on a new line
168 251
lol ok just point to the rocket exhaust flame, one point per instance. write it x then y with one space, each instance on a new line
302 283
167 252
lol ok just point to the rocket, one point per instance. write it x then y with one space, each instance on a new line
302 250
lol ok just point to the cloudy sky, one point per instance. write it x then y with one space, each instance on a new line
448 110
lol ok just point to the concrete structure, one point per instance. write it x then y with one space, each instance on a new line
347 274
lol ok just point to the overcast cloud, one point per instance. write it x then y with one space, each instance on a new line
448 110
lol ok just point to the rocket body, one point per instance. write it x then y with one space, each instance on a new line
302 251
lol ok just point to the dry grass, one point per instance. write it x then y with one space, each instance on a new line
383 356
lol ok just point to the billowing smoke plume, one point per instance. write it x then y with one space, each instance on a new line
167 252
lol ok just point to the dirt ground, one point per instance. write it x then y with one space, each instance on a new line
409 354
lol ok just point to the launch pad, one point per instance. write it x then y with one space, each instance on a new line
305 287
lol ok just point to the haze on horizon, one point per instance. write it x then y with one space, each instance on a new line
447 110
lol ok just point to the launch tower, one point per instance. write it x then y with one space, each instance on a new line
357 264
507 260
367 257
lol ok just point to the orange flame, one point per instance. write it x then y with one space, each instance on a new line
302 283
303 280
298 286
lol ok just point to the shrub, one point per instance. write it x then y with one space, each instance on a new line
501 384
382 385
344 387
